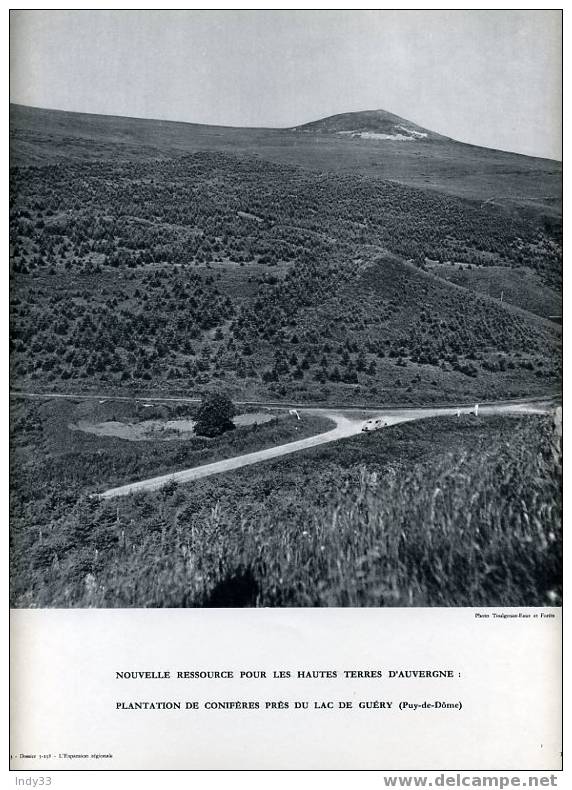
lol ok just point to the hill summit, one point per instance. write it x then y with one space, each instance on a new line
369 124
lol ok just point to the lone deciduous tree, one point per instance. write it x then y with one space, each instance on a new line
214 415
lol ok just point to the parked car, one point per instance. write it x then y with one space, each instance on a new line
373 425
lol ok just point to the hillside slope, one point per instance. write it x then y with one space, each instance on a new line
277 281
509 181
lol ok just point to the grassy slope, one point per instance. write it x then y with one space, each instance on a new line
520 287
439 512
533 185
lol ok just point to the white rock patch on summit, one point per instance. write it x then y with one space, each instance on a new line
411 134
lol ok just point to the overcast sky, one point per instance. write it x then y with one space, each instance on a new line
491 78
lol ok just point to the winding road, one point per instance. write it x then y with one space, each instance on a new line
347 423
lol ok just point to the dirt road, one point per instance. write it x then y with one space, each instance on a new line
347 423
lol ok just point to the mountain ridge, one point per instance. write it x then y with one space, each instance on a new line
368 120
514 182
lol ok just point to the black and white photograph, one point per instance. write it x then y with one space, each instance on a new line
285 308
286 314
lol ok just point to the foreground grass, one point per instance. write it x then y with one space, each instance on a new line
443 512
